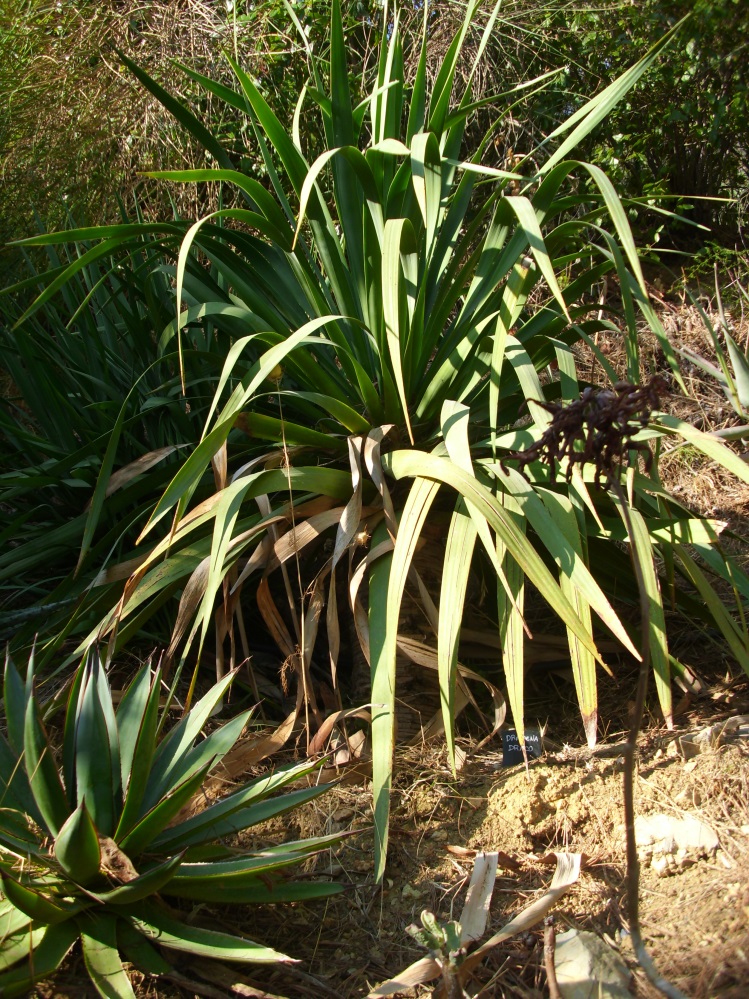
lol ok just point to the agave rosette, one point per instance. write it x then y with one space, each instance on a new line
90 851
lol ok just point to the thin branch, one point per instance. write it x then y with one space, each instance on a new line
633 863
550 938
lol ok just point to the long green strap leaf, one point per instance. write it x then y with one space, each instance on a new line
412 464
510 608
155 924
102 959
659 657
393 572
596 109
461 540
583 664
712 446
399 238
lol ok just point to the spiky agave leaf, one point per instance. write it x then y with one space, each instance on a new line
81 883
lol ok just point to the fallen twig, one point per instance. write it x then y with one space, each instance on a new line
549 949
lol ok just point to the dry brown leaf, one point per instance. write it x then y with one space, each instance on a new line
188 604
424 655
566 874
299 537
462 851
322 735
220 465
351 516
428 605
246 754
257 561
114 573
347 529
373 463
135 468
478 899
425 970
361 621
272 617
436 724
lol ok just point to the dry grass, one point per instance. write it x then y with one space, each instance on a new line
698 483
78 127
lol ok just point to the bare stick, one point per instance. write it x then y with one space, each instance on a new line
633 862
550 942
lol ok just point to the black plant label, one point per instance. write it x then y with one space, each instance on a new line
512 751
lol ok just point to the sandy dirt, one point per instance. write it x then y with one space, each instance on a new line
694 908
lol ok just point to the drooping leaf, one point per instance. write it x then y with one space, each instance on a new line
583 663
143 886
43 909
656 622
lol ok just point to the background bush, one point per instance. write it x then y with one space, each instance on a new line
75 127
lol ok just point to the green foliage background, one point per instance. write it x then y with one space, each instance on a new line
75 128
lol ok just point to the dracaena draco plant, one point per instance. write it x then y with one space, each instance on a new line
100 849
400 318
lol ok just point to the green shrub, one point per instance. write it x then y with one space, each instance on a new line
84 393
88 853
403 334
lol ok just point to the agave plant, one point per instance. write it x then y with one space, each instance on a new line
400 318
87 853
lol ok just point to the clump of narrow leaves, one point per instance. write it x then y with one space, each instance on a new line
92 851
400 316
85 394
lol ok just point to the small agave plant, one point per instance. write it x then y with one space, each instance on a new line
86 853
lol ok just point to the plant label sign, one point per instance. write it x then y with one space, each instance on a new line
512 751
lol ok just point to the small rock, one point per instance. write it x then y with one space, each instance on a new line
668 834
662 865
670 844
589 969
